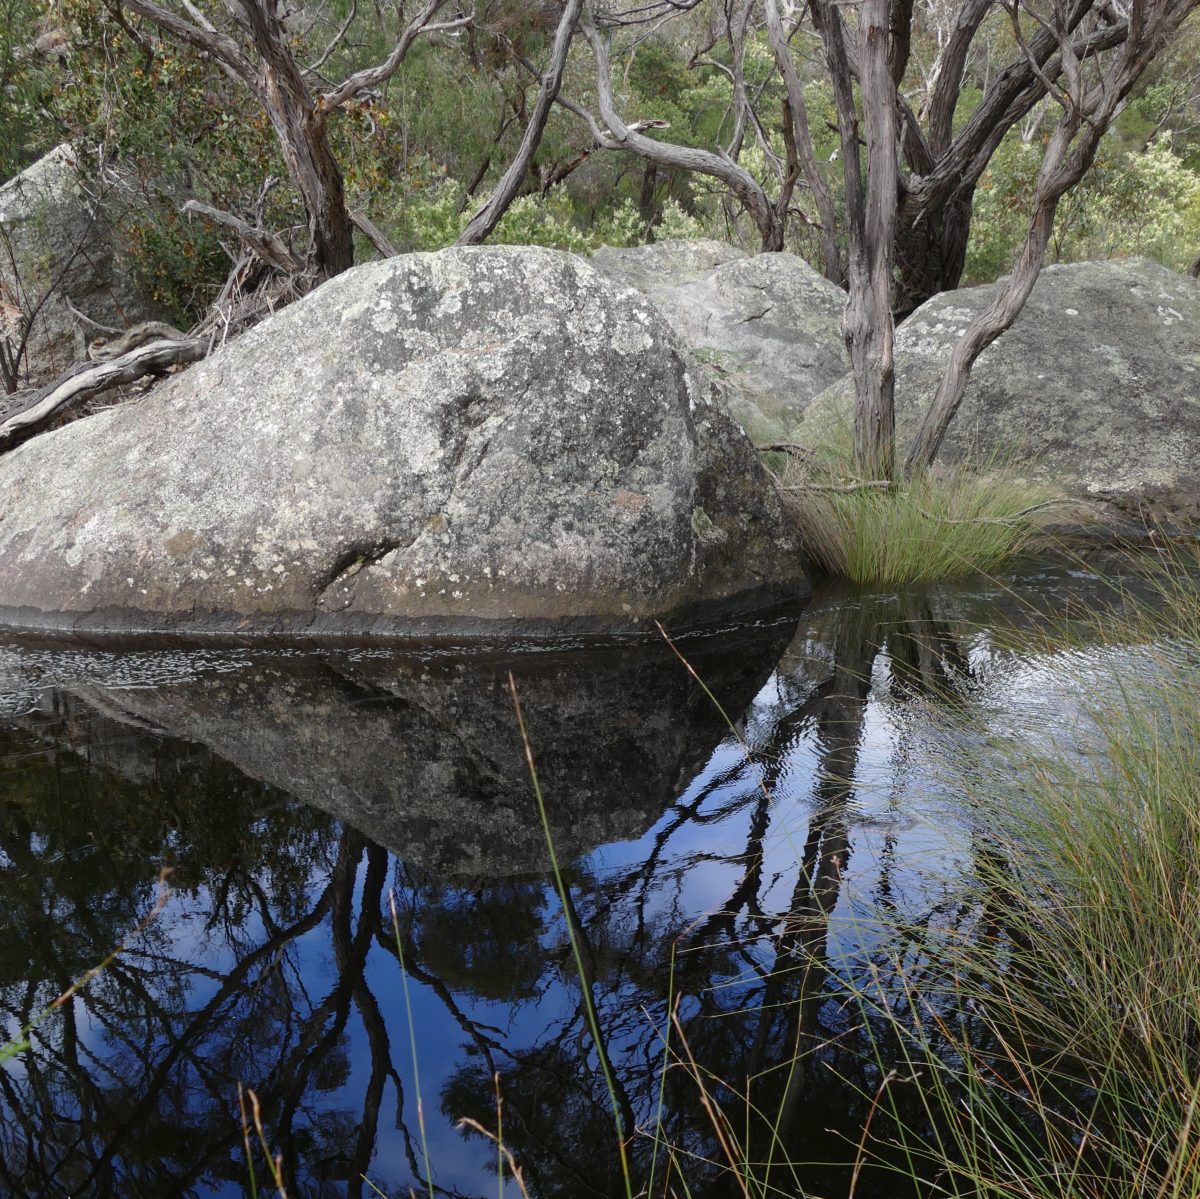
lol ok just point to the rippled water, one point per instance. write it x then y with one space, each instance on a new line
297 794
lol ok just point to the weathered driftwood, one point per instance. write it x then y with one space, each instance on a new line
91 379
846 488
104 349
786 447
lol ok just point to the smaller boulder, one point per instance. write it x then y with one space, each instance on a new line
1095 388
61 245
769 325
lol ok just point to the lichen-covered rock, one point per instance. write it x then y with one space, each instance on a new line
665 263
1095 388
66 249
432 442
769 325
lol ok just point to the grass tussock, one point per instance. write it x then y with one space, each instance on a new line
949 521
930 528
1059 1058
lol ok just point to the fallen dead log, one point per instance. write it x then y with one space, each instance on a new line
91 379
104 349
845 488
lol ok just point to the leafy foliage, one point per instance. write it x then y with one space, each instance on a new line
419 156
1134 202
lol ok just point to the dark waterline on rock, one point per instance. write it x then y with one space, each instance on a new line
293 792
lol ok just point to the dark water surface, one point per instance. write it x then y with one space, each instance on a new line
294 793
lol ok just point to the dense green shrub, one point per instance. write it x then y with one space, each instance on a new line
1144 202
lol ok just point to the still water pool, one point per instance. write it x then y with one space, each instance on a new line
364 929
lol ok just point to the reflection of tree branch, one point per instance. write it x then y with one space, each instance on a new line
485 1045
587 958
199 1026
797 974
683 814
289 1080
745 894
369 923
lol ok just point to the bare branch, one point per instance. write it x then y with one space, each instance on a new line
203 36
488 216
798 121
621 136
373 234
948 73
1068 155
1061 97
376 76
335 41
93 378
861 485
267 245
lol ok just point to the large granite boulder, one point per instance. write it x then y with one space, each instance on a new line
431 443
67 249
1095 388
768 325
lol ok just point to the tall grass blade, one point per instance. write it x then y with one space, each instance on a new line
585 985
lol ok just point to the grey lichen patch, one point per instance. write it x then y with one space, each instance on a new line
769 325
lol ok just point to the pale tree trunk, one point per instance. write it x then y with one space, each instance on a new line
867 322
875 417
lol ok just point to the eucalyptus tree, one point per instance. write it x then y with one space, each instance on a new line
1090 88
254 45
910 159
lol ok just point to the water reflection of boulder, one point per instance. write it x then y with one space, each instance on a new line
424 757
955 626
